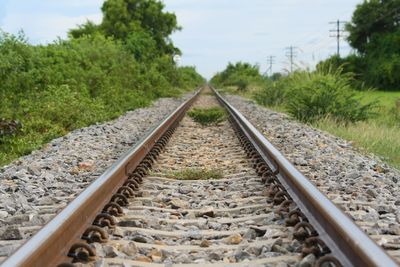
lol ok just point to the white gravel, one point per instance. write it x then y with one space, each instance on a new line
365 187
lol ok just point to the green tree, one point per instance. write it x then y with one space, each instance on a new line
373 19
88 28
121 18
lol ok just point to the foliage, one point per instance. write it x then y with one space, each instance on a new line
239 74
207 116
325 92
196 174
271 94
371 20
69 84
135 21
88 28
374 32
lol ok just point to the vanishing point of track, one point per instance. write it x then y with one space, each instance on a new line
261 212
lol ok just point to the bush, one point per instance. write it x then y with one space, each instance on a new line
239 75
325 92
59 87
207 116
272 94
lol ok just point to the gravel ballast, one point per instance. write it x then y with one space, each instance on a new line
362 185
37 186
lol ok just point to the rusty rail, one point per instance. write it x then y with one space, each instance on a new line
51 244
347 242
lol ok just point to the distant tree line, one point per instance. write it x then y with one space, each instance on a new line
374 33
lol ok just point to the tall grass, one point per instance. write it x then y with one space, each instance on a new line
371 136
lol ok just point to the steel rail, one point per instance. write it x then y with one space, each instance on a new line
345 239
50 245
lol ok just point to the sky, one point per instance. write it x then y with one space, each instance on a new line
215 32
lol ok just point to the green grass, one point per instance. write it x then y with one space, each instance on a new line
370 136
196 174
387 112
207 116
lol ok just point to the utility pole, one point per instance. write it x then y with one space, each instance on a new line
270 61
337 33
291 54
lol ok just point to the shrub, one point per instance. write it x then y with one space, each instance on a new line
239 75
313 95
207 116
65 85
272 94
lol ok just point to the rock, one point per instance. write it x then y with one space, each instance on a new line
155 255
381 209
101 263
176 203
300 162
307 261
190 215
205 243
110 251
254 250
183 258
184 190
129 223
394 229
371 192
11 233
3 214
214 256
45 201
279 249
118 232
143 258
241 255
259 231
34 170
130 249
158 242
86 166
272 233
233 239
207 211
142 239
250 234
214 225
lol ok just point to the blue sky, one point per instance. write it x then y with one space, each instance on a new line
214 33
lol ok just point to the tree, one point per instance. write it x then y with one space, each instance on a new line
372 19
88 28
123 17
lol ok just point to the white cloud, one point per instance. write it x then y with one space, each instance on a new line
45 28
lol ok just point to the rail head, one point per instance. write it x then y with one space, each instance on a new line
50 245
345 239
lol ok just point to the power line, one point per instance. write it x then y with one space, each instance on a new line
270 61
291 54
337 33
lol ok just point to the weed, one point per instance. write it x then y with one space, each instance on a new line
196 174
207 116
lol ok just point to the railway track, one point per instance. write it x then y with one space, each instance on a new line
255 210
